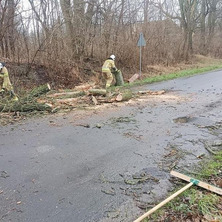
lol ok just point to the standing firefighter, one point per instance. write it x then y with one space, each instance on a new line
5 83
107 69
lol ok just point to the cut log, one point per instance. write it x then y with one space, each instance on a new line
119 78
134 78
97 92
106 100
67 94
27 107
124 96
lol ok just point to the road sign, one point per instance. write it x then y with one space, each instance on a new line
141 41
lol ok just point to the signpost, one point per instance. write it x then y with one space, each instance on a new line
141 42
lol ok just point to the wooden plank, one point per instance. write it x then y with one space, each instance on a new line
204 185
164 202
134 78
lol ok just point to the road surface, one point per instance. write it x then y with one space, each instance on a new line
107 164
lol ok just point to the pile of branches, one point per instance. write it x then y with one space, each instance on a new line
27 103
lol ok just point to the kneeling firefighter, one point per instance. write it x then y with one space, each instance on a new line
5 83
108 68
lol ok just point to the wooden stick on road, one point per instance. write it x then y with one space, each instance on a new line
192 182
164 202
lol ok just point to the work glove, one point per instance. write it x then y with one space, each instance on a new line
2 91
114 69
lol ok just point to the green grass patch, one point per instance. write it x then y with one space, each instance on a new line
195 202
182 73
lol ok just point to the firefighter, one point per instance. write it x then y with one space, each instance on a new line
5 83
108 68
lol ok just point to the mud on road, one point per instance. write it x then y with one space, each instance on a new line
111 163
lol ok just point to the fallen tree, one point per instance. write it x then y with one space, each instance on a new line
27 103
21 107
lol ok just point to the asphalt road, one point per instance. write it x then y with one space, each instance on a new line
106 164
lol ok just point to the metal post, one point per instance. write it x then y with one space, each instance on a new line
140 61
141 42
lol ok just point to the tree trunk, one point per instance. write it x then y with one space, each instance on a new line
66 11
203 28
119 78
11 27
98 92
21 107
211 22
79 24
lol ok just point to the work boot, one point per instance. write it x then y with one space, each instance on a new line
13 96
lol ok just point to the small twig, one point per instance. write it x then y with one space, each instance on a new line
138 154
209 150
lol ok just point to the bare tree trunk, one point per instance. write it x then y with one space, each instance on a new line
11 26
211 22
79 24
117 32
67 14
188 10
203 28
146 7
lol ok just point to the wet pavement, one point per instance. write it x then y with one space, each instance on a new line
107 164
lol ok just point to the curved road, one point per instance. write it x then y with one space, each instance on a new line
107 164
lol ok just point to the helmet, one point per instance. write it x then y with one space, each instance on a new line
1 65
112 57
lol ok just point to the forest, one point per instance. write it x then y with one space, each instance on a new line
66 41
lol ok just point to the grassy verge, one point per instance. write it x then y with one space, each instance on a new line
183 73
196 204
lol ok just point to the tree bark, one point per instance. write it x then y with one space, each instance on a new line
203 28
67 14
98 92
